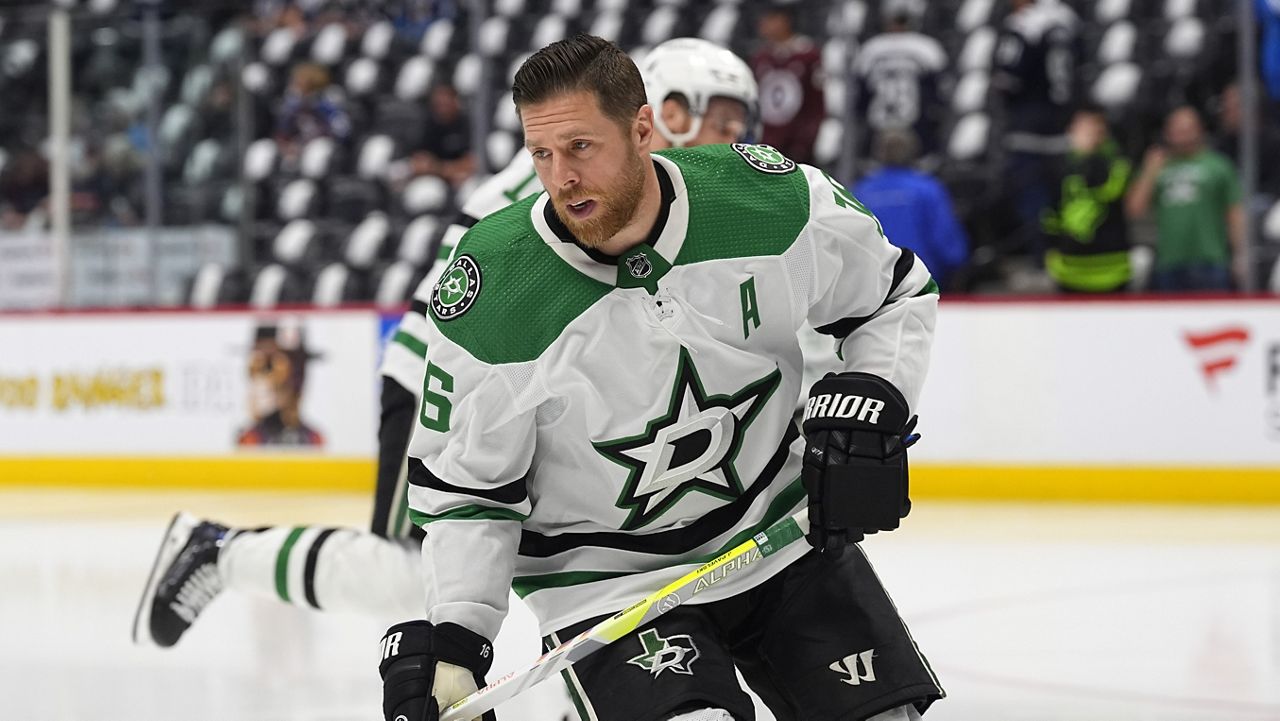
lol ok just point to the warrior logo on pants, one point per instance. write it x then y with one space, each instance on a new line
675 653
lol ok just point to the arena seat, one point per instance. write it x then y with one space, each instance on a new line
1106 12
274 285
660 25
969 137
551 28
974 14
1117 85
719 25
414 78
466 75
366 241
418 240
1117 44
425 194
377 40
607 24
329 45
362 77
375 156
978 51
436 40
495 32
394 286
971 93
300 198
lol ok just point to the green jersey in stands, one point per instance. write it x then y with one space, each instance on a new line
1192 198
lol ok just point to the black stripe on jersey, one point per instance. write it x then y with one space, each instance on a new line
465 220
842 328
419 307
309 570
675 541
509 494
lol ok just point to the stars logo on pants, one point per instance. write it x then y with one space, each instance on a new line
673 653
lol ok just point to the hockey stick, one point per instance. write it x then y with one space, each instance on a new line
766 543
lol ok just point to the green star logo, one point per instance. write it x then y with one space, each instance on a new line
765 158
692 447
457 289
673 653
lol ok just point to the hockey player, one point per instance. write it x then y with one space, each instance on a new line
611 368
706 95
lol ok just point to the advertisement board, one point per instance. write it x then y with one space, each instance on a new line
1090 400
189 386
1112 398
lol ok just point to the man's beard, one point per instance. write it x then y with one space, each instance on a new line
615 205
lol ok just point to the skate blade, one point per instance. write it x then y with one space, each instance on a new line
175 537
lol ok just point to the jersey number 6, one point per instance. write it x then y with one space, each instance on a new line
439 419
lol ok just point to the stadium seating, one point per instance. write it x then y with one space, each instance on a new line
340 219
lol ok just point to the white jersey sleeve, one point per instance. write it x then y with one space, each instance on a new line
877 300
402 362
468 461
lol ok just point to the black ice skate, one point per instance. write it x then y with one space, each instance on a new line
183 581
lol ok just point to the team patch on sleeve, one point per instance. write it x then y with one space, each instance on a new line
458 288
765 158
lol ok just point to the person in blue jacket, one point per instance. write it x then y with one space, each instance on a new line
914 207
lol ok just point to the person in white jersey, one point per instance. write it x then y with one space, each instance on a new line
611 374
707 95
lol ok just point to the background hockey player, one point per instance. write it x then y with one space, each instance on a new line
611 374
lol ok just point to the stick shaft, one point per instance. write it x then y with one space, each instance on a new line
741 557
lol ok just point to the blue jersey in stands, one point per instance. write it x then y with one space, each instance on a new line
915 211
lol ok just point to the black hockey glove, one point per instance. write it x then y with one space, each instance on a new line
425 667
857 429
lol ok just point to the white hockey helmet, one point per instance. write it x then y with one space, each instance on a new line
698 71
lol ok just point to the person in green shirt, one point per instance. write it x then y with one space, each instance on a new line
1199 217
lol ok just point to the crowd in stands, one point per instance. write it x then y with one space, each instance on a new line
1024 145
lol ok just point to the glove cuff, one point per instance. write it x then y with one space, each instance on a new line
855 401
447 642
463 647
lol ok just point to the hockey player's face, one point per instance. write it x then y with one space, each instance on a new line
591 165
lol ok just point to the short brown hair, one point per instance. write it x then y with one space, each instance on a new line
582 62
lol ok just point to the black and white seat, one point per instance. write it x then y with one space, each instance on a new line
366 242
418 240
299 198
970 137
330 44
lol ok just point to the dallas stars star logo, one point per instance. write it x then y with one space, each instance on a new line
673 653
690 448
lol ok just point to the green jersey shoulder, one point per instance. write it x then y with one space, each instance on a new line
507 294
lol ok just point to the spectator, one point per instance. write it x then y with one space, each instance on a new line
1088 236
913 207
1268 13
1230 115
789 70
1199 216
24 186
1036 56
446 145
899 72
311 109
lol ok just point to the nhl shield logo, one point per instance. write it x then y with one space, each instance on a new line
457 289
639 266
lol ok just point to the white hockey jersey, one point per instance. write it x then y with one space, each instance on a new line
403 359
593 428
